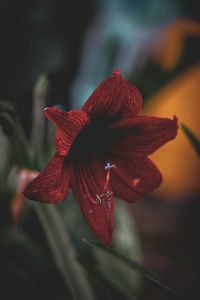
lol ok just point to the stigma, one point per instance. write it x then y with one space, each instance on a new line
108 166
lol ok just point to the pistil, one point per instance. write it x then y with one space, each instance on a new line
106 193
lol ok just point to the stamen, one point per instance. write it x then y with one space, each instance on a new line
99 198
108 167
106 193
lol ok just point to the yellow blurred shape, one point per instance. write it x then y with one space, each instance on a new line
168 49
177 160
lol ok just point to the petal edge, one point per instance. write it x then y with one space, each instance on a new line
87 182
114 99
69 124
134 178
52 184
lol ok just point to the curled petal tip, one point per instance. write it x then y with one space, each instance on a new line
116 73
175 118
46 110
49 111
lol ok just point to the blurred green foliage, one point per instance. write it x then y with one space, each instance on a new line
192 138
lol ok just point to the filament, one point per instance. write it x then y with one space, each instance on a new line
106 193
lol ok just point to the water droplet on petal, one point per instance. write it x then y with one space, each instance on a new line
136 181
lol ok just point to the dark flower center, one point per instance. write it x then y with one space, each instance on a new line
94 139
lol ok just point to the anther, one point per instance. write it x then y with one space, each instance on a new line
106 195
99 198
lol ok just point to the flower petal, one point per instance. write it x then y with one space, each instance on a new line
52 185
143 135
87 182
133 178
69 125
113 99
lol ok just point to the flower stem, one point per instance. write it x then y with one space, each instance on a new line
64 252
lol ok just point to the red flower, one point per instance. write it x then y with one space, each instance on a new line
101 151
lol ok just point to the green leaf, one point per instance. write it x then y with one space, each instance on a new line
15 153
19 147
7 107
63 252
107 288
40 93
11 238
50 147
133 265
19 152
5 161
7 117
192 137
127 242
24 265
7 124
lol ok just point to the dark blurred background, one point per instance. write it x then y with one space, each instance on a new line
41 37
156 45
52 37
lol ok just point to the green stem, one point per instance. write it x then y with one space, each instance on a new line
63 252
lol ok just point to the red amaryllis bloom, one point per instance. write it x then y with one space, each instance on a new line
101 152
